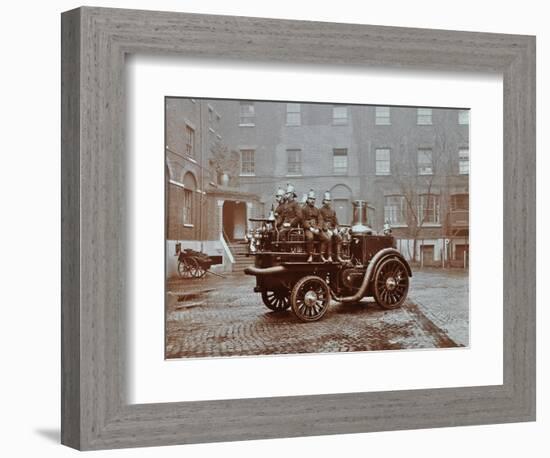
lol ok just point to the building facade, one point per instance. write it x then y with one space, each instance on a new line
410 164
205 206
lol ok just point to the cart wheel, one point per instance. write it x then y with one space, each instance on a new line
186 268
310 298
278 301
198 270
391 283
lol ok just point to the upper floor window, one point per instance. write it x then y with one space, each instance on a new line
428 209
382 116
294 161
383 165
340 161
395 210
293 114
339 115
424 116
247 114
248 163
464 117
463 161
189 141
425 162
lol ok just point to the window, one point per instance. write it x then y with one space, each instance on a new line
189 141
395 210
293 114
460 202
340 161
428 209
424 116
247 114
248 165
383 166
187 207
463 161
425 164
464 117
339 115
382 116
294 164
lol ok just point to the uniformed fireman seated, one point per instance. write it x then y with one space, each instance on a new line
290 213
330 228
313 224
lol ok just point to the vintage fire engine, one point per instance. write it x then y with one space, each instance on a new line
370 266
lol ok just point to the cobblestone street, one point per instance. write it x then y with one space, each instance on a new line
223 317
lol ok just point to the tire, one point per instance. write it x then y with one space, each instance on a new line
390 283
310 298
198 271
278 301
186 268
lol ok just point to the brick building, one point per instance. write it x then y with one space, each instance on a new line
410 164
206 209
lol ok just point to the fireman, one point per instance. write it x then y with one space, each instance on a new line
330 228
312 223
290 213
279 203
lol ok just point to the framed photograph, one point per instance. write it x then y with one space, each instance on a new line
251 204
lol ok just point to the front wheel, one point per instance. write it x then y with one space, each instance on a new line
391 283
310 298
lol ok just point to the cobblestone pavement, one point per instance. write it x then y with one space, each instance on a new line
223 317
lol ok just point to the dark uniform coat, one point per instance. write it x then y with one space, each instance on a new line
311 217
330 219
289 213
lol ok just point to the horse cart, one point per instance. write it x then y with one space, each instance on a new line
370 266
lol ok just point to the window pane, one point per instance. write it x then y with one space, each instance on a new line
187 207
428 209
339 115
463 161
424 116
425 166
382 116
464 117
294 162
395 210
247 162
340 161
189 141
383 166
247 115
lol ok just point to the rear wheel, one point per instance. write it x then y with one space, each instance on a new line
310 298
278 301
391 283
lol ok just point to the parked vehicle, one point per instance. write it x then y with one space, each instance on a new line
370 267
191 263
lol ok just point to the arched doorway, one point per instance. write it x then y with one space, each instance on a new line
234 220
341 202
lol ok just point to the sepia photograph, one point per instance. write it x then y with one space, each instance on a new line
299 227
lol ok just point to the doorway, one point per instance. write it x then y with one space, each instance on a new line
234 220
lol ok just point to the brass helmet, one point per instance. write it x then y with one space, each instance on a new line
326 197
290 190
280 192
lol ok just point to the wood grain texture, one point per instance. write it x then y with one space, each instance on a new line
95 411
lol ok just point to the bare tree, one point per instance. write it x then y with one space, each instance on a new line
421 177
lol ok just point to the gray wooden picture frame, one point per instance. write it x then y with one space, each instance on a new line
95 412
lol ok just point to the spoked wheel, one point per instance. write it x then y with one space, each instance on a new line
391 283
199 269
310 298
278 301
187 268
